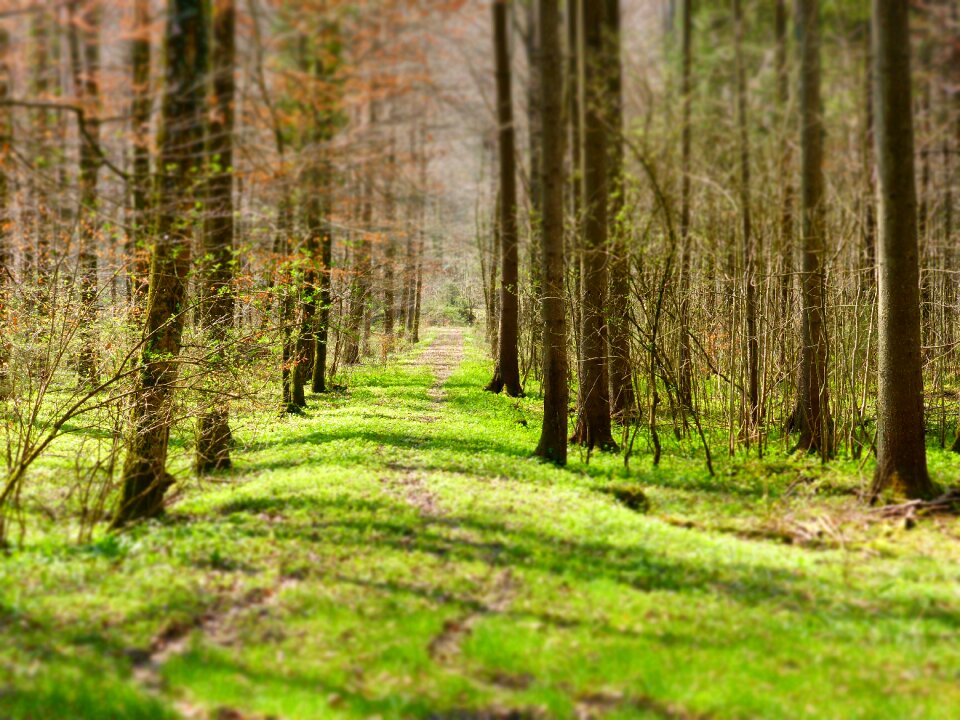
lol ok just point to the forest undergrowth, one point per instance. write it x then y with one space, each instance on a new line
397 552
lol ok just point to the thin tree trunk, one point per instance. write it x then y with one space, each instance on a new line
787 191
901 450
85 67
750 250
389 260
685 379
360 285
869 183
811 416
319 226
506 375
6 240
145 478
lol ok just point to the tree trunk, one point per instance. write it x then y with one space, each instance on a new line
216 277
811 417
85 67
145 478
750 249
621 377
593 423
506 375
787 191
140 177
685 379
389 260
556 395
6 214
901 450
319 226
360 284
869 182
574 11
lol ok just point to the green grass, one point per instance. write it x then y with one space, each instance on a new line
386 556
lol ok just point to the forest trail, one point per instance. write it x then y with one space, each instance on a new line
441 357
396 552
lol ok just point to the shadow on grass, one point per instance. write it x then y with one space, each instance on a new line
502 546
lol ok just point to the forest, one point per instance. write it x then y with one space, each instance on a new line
479 359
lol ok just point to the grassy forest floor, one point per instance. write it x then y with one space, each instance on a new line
397 553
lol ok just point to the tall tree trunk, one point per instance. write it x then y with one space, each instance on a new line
812 413
6 215
319 226
359 284
140 177
145 478
532 45
390 255
283 283
553 434
621 378
415 332
955 62
420 236
787 191
506 375
901 450
685 379
593 423
574 90
750 249
85 68
869 182
216 277
38 212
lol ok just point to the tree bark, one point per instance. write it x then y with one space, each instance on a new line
145 478
556 395
622 402
320 227
750 249
811 417
360 283
140 177
901 449
506 375
685 378
216 278
85 67
6 214
593 424
787 191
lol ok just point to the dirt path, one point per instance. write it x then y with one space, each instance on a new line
442 357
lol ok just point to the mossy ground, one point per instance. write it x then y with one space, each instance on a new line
392 554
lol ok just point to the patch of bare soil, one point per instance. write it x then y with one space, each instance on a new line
442 357
446 646
216 625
